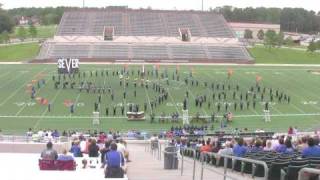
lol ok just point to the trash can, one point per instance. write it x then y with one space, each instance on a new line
170 158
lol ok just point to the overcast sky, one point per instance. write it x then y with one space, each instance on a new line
165 4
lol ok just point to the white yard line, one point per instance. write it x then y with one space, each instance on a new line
191 93
76 102
5 74
253 110
8 82
44 112
21 109
145 90
17 90
124 89
180 112
295 94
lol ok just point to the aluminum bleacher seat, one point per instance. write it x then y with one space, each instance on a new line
143 23
87 27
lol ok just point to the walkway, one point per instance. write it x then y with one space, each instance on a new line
144 166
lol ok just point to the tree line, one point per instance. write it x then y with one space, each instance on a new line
290 19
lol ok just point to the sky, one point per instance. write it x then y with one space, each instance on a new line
165 4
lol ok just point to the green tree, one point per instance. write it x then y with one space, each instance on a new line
50 18
22 33
312 47
5 37
280 39
260 34
6 23
248 34
270 39
33 31
289 41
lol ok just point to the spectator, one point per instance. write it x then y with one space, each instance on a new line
29 133
49 153
105 150
206 147
64 156
312 150
281 148
55 134
227 150
257 147
93 149
114 162
289 148
122 144
268 146
216 146
290 131
75 149
240 150
302 144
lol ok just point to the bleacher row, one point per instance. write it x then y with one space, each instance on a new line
127 22
144 52
281 166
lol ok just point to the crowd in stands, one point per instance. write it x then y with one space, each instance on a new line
54 135
110 151
306 146
184 130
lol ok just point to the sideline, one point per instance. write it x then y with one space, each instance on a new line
185 64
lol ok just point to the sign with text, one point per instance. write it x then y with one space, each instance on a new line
68 65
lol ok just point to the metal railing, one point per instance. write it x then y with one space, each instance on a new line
154 147
226 159
303 171
183 152
30 139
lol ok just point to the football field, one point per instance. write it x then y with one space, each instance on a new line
299 88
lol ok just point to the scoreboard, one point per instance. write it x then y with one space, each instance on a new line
68 65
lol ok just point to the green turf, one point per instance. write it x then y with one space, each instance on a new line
42 31
18 112
19 52
283 56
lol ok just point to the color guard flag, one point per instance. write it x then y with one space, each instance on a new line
177 67
230 73
125 67
258 78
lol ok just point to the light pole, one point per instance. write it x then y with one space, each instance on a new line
202 5
83 3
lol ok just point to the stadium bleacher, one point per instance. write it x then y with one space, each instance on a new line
147 52
144 35
129 22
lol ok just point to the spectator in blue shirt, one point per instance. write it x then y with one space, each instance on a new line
114 161
64 156
55 134
289 148
313 150
281 148
239 150
75 149
257 147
